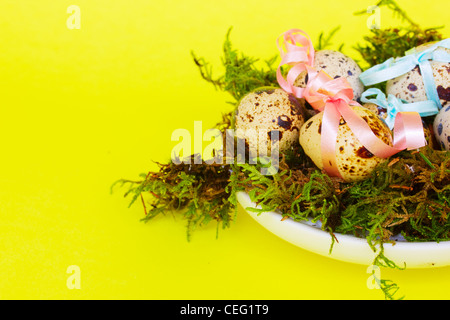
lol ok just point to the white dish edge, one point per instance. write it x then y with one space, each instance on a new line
347 247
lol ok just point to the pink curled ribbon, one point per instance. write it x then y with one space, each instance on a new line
296 49
334 98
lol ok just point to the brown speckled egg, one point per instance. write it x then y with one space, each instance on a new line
265 111
441 128
409 86
354 161
380 111
336 64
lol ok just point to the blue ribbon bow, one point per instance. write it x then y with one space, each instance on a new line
393 68
394 105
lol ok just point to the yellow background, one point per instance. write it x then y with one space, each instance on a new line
80 109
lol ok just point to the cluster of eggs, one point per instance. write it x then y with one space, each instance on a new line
268 110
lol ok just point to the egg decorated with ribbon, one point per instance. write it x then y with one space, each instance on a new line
410 86
441 128
353 160
336 64
382 113
266 111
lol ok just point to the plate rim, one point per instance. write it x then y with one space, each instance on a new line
347 248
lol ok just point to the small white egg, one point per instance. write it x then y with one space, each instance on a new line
264 112
354 161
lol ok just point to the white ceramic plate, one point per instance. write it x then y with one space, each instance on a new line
348 248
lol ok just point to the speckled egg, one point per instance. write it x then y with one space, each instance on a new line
380 111
336 64
410 86
264 112
441 128
354 161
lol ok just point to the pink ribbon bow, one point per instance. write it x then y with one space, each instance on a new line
299 54
334 98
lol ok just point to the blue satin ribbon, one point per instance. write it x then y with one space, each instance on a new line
394 105
393 68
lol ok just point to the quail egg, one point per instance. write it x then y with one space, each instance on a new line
380 111
354 161
410 87
441 128
335 64
265 112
